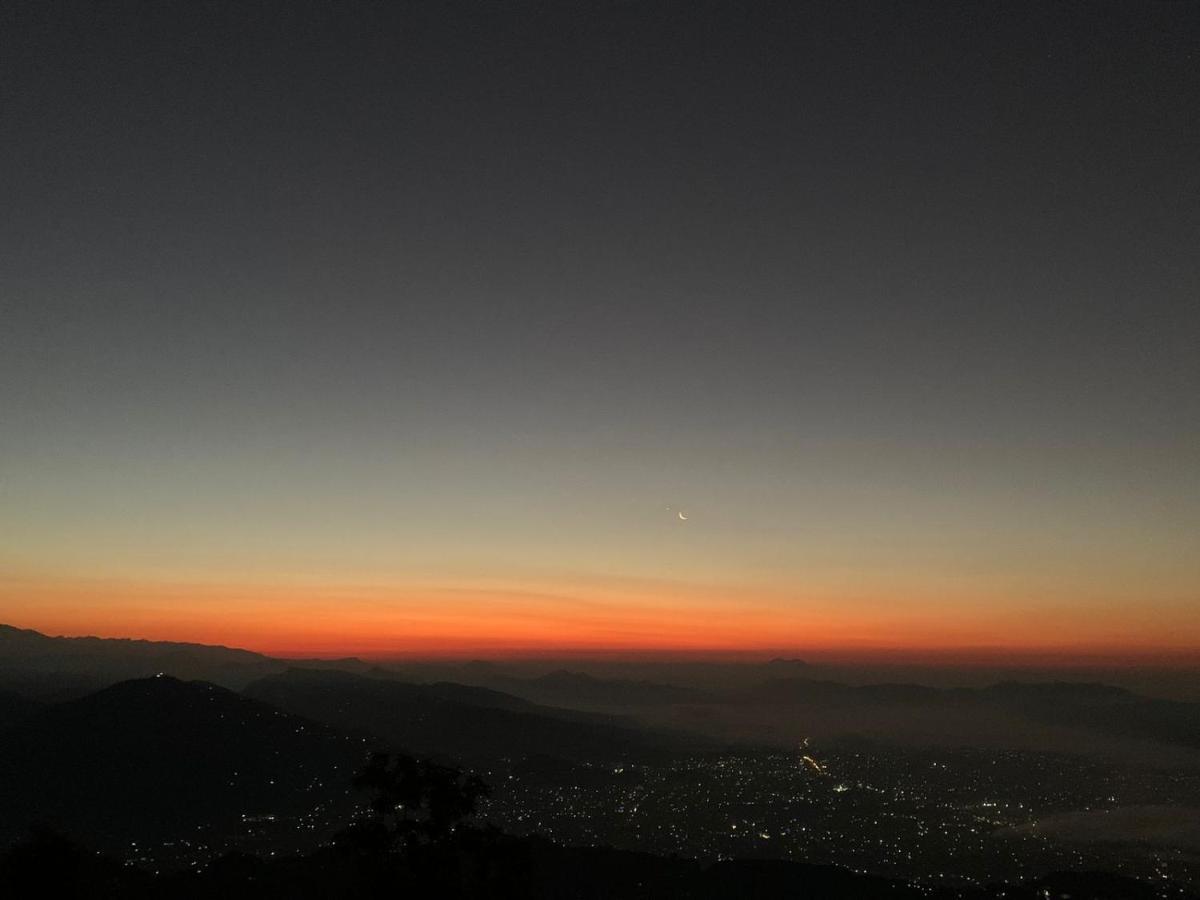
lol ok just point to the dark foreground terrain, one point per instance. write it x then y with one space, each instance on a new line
570 785
480 863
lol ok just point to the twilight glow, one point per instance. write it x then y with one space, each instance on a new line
423 351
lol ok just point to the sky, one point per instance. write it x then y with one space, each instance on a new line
413 327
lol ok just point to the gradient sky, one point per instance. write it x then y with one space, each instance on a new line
399 327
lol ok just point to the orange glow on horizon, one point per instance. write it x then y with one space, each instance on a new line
383 622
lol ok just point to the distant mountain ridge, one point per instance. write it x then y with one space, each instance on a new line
52 667
1087 706
14 641
38 667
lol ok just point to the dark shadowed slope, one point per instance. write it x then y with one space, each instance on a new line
1102 709
15 708
159 757
450 720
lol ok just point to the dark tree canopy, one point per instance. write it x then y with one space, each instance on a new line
419 800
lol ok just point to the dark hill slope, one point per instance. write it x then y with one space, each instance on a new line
159 757
14 708
454 721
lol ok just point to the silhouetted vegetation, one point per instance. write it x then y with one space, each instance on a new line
422 801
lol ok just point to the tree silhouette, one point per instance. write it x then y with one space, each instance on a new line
416 800
420 837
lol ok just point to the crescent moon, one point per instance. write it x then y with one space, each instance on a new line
682 517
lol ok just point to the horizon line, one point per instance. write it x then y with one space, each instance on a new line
1061 656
